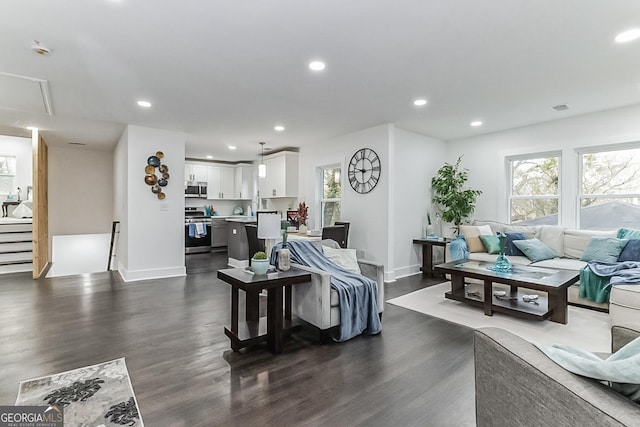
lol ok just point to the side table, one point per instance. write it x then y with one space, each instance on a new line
254 330
5 207
427 253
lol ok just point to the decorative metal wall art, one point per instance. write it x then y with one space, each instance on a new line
157 182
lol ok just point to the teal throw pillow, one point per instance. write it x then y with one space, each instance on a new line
491 243
604 249
626 233
535 250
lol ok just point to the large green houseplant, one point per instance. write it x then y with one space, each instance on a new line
450 195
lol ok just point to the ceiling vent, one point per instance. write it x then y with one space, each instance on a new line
560 107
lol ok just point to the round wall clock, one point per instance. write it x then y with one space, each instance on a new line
364 170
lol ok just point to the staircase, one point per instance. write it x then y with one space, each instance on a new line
16 247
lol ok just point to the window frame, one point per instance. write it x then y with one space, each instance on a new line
320 183
13 175
511 197
580 152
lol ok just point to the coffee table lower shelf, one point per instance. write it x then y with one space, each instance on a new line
515 307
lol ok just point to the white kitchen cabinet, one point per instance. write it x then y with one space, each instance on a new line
220 182
195 173
244 182
282 176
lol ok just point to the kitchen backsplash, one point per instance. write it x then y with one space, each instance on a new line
222 207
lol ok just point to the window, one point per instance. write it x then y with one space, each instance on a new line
7 174
331 195
534 190
609 189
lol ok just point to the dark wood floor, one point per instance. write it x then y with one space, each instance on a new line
418 371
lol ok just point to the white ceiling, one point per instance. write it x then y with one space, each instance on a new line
226 71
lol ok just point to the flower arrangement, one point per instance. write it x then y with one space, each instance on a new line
303 213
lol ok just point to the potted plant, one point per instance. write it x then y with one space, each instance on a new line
260 263
450 195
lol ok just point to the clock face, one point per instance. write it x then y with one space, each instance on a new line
364 170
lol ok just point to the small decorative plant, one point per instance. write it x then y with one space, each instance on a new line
450 194
260 263
260 255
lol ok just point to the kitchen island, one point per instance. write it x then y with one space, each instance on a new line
237 246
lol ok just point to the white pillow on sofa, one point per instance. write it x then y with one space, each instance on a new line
345 258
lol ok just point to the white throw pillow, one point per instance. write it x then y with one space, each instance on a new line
345 258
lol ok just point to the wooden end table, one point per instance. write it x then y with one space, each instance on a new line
427 253
256 329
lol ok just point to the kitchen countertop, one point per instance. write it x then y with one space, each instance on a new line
238 218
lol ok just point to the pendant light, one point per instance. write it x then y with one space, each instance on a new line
262 168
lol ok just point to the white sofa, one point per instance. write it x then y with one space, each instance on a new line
317 303
568 243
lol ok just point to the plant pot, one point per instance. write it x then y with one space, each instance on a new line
259 266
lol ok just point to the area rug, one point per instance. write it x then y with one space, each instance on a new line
586 329
98 395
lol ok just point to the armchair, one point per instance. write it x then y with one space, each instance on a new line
317 303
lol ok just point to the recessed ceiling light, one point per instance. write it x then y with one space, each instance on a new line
145 104
232 147
476 123
279 128
317 65
209 157
420 102
627 36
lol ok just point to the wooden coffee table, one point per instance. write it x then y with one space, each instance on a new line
553 282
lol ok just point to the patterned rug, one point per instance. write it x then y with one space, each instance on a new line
98 395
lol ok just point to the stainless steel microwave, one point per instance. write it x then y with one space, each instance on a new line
197 189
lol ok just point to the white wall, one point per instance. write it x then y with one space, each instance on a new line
368 213
80 191
416 160
484 156
153 229
22 150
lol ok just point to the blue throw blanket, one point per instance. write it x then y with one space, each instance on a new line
627 272
358 295
458 249
622 368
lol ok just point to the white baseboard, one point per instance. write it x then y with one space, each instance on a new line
389 276
156 273
409 270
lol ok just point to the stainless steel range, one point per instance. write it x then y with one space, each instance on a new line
197 231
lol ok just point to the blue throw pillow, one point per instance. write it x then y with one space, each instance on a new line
631 251
535 250
604 249
510 248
